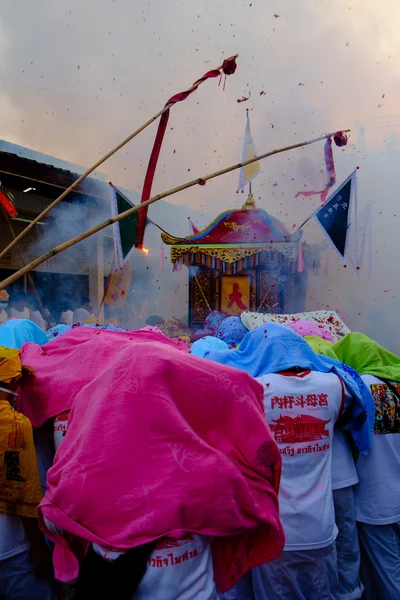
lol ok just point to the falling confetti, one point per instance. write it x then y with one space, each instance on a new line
243 98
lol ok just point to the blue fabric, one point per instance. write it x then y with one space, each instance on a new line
54 332
380 560
298 575
272 348
17 332
347 545
19 582
243 590
202 347
231 331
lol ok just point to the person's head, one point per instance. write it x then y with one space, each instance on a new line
3 299
19 301
65 306
11 371
10 368
231 331
32 303
85 303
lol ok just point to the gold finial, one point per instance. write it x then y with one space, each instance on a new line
250 203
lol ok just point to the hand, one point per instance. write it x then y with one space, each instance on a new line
28 371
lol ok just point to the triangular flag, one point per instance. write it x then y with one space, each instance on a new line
126 229
333 216
248 172
194 229
118 284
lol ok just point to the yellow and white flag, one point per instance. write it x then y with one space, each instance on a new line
248 172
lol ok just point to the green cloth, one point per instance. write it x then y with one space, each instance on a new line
362 354
321 346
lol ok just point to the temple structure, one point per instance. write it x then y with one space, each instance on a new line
303 428
244 260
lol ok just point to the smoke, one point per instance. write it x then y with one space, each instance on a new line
76 78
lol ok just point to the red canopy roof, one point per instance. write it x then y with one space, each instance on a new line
248 225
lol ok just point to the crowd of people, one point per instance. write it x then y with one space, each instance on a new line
246 465
20 306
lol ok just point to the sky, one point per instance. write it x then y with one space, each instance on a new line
78 77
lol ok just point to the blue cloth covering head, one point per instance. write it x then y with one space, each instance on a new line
272 348
231 331
203 346
17 332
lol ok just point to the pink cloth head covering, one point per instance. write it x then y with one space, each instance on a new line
307 329
37 398
158 445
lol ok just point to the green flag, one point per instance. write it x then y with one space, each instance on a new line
124 230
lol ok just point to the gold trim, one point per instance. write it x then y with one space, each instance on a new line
235 227
231 254
227 254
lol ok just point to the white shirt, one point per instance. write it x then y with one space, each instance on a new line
179 570
67 317
13 540
301 411
60 428
25 314
344 472
37 318
81 315
377 495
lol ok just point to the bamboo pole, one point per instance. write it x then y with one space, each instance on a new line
202 292
200 181
97 164
32 283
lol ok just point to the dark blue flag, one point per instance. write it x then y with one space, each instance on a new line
334 215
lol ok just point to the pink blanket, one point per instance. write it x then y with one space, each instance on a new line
307 328
67 364
158 445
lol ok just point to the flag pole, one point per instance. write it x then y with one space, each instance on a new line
199 181
106 157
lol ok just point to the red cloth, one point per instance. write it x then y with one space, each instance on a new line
330 170
158 445
228 68
7 205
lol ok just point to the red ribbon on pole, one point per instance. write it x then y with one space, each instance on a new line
340 139
7 205
228 68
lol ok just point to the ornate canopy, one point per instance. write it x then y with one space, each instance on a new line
236 239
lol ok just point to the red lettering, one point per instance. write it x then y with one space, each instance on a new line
312 400
323 399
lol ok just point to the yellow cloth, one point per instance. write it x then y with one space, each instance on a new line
10 364
91 321
20 491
